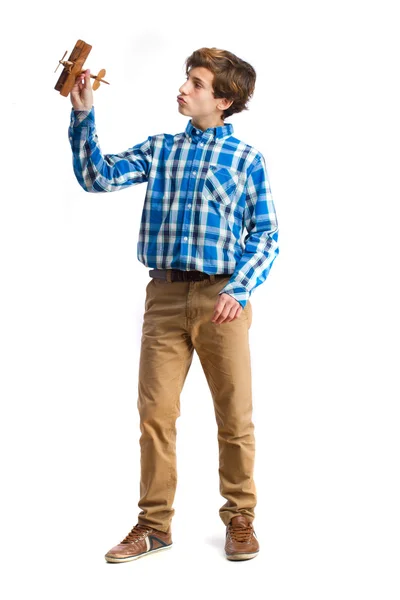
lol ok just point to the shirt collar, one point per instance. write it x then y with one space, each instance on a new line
212 132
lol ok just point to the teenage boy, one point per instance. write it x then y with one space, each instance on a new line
209 234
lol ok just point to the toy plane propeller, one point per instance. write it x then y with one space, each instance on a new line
73 68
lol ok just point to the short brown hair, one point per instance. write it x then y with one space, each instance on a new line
234 78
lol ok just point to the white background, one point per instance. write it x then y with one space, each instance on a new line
325 331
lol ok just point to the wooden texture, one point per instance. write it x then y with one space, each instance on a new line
66 81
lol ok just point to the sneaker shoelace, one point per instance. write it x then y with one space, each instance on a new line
240 534
138 532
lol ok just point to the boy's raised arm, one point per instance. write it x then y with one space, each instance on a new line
94 171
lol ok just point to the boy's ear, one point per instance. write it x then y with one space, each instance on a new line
224 104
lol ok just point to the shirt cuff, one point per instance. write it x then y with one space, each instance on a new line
236 291
82 116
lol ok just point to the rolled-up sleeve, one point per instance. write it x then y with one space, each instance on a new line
96 172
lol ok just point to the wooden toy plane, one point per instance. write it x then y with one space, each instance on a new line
73 68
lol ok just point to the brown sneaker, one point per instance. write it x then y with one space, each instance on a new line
140 541
241 541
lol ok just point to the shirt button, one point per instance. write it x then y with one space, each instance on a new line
197 131
210 198
189 205
201 144
70 138
194 172
185 238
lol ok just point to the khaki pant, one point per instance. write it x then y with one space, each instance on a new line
177 319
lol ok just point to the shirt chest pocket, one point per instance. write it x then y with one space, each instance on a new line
220 184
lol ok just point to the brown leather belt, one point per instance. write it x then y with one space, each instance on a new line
178 275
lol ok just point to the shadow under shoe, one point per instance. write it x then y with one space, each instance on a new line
241 542
140 541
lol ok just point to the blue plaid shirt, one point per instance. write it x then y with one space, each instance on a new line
208 204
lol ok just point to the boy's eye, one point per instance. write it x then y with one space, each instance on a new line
196 84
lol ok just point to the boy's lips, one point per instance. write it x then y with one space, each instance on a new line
180 99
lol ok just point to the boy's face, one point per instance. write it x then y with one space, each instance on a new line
197 91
